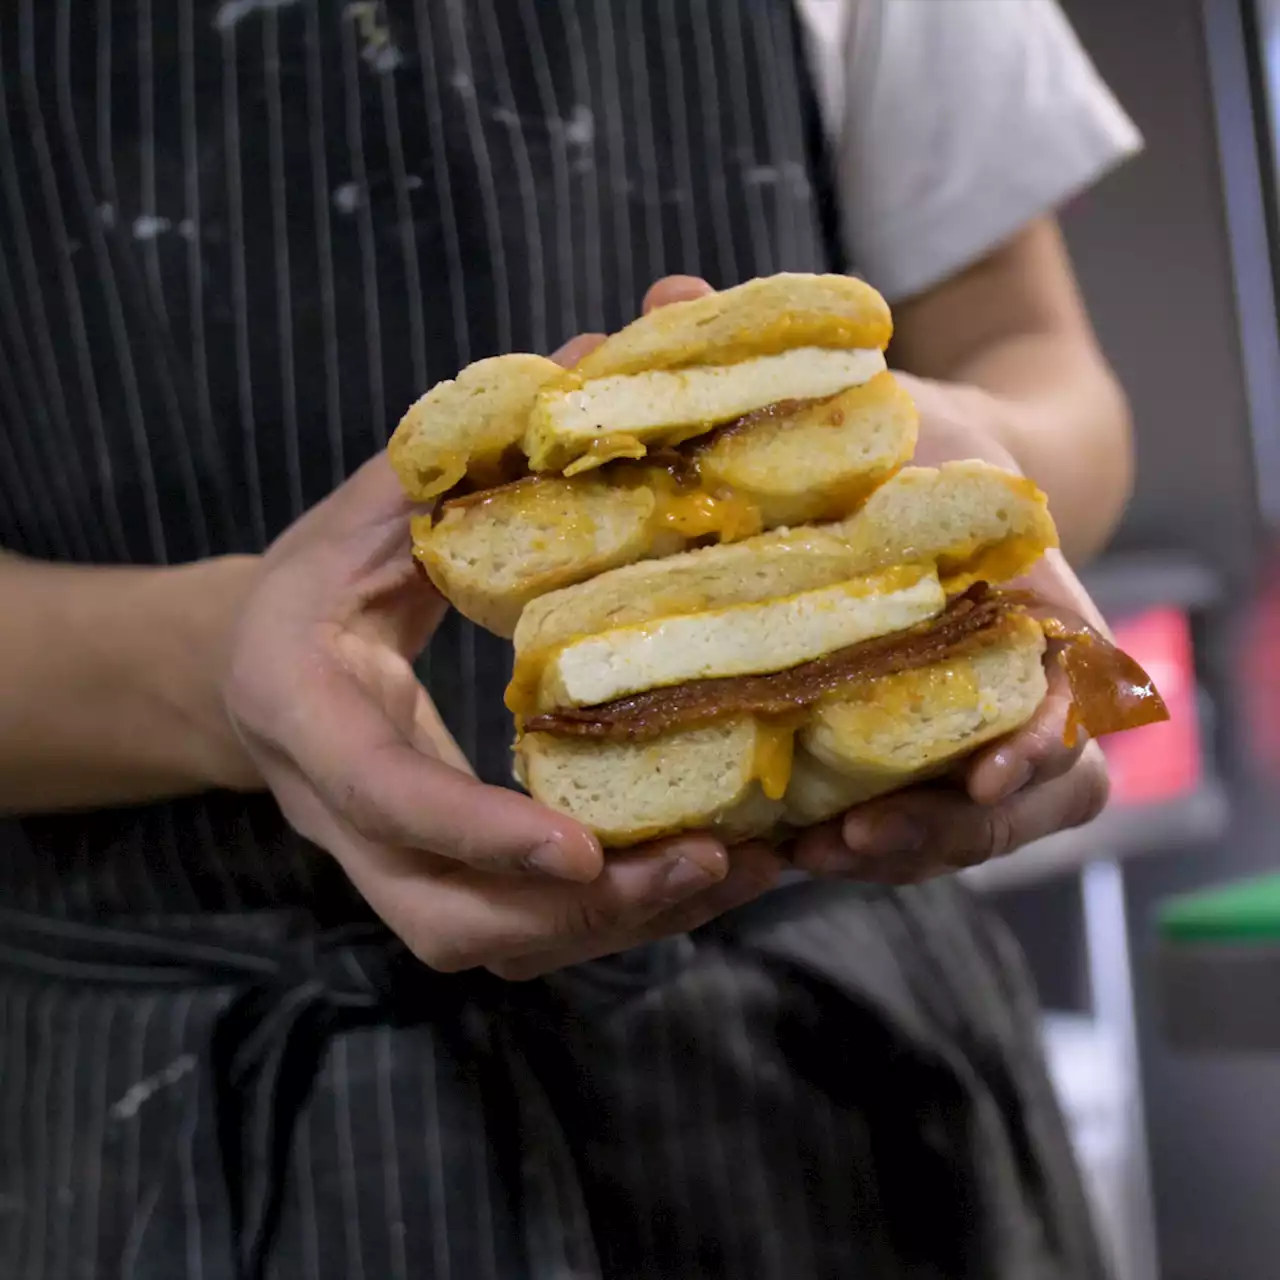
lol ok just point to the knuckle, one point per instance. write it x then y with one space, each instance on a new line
999 833
357 797
580 918
1091 795
364 813
469 846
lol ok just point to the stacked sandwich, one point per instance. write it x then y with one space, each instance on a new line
734 606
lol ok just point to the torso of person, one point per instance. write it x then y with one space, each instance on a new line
239 237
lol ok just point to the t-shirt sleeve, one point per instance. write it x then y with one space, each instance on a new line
961 122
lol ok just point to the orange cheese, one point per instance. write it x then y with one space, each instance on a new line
521 696
606 449
420 531
698 513
774 753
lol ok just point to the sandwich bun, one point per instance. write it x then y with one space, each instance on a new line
703 778
894 730
775 313
467 425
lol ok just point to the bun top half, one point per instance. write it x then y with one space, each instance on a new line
527 409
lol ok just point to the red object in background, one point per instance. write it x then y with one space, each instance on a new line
1260 674
1163 761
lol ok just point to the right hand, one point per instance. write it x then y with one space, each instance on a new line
322 693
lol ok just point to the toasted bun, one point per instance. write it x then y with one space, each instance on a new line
702 778
965 516
756 318
788 336
468 422
880 735
975 520
820 461
816 462
889 732
490 558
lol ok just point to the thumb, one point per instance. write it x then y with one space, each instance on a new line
675 289
364 512
375 781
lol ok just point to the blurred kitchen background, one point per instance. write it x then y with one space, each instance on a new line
1165 1030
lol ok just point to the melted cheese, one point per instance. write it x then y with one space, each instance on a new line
774 754
606 449
521 696
992 562
420 527
700 514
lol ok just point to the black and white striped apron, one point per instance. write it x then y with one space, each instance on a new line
237 238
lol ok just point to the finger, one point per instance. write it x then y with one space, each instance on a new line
666 291
377 783
370 504
921 829
1037 753
754 870
576 348
1054 579
473 918
674 289
432 736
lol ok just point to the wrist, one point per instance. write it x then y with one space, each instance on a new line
210 595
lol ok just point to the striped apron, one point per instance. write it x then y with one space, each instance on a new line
237 238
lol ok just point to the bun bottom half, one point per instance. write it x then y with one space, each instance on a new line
876 736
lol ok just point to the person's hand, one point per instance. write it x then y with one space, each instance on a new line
1029 785
321 691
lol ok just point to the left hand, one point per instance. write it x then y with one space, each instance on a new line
1006 795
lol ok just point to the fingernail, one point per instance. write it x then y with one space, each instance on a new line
1015 773
549 860
684 876
877 837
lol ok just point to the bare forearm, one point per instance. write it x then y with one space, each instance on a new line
1057 408
1011 338
110 683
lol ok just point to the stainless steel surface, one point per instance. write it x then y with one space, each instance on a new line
1111 994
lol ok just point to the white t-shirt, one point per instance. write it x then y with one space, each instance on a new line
953 124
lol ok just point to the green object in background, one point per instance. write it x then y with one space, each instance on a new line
1242 913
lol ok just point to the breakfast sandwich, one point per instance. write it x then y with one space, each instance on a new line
734 606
